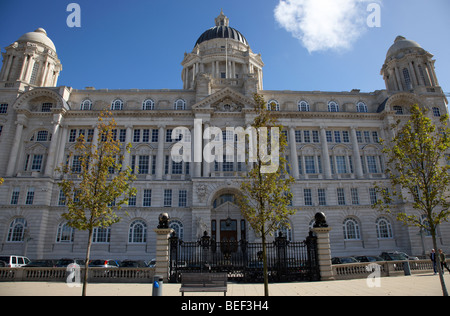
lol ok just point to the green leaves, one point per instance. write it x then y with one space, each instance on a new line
418 170
267 196
96 185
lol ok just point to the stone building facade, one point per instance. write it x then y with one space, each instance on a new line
333 149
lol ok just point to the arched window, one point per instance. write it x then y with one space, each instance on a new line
177 226
361 107
17 230
117 105
273 105
64 233
148 105
333 106
426 223
303 106
407 77
86 105
351 229
384 228
179 105
137 233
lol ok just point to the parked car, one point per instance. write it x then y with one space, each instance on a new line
152 263
109 263
396 256
64 263
133 264
369 258
343 260
14 261
41 264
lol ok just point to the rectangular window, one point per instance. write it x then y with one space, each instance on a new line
337 136
306 136
367 136
168 198
373 196
169 136
76 164
146 136
147 201
182 198
143 164
329 136
316 138
308 197
298 136
30 197
310 167
37 163
372 164
355 197
137 136
61 198
341 165
73 136
3 108
15 196
341 196
132 201
47 107
345 137
322 197
122 135
177 167
155 134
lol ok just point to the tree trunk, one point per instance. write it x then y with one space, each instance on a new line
438 262
265 269
86 266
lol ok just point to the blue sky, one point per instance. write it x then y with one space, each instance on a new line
140 44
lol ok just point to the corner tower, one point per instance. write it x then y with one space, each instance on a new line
31 60
409 68
222 58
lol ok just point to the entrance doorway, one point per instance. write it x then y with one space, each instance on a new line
228 230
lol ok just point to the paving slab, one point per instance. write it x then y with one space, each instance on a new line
415 285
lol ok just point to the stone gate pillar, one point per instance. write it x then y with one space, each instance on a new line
163 233
324 252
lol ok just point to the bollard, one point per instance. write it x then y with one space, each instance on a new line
407 268
157 285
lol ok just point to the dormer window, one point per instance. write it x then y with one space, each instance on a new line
86 105
148 105
117 105
180 105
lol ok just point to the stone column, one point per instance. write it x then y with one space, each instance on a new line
325 153
162 252
324 252
13 156
127 154
294 157
50 165
160 154
356 154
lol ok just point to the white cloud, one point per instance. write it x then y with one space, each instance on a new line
324 24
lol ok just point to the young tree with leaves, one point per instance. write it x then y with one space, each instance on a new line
266 193
95 186
416 168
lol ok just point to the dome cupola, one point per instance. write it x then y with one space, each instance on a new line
222 30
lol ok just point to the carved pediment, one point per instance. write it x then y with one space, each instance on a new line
225 100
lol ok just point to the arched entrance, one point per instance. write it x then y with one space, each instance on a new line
227 222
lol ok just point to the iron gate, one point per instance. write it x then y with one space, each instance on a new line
243 261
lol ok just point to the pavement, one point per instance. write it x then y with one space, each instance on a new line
415 285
